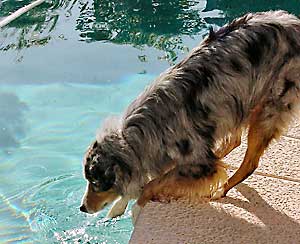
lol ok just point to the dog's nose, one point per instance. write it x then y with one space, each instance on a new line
83 209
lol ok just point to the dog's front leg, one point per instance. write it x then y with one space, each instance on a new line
118 208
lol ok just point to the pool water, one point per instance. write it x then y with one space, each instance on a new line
64 67
49 126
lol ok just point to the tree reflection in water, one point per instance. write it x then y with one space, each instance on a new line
160 24
34 27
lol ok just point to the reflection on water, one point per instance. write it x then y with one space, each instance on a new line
31 29
158 24
83 35
235 8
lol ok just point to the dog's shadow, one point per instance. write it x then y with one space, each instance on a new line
237 221
268 224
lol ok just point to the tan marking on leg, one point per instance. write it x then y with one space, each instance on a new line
258 140
171 187
228 144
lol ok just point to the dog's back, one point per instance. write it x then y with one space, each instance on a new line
245 75
253 60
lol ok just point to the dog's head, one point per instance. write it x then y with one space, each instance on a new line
102 170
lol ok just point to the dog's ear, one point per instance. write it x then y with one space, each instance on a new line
95 144
109 177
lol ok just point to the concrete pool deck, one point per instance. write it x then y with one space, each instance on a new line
263 209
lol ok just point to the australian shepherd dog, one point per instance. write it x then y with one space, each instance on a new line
171 140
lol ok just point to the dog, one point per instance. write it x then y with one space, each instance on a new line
171 140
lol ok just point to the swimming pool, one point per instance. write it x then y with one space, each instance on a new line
41 179
64 68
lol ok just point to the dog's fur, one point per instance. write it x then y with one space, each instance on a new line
246 75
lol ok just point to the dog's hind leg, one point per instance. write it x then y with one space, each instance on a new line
192 182
269 119
261 133
229 144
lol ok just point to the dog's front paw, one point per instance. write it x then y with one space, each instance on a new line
146 196
135 212
149 192
118 208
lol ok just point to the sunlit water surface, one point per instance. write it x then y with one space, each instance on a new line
64 67
41 178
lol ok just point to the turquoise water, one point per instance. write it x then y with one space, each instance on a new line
50 126
64 67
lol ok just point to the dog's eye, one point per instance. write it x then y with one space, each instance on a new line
96 184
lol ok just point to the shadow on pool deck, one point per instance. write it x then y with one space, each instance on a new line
260 210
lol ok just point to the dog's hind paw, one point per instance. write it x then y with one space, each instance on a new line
219 193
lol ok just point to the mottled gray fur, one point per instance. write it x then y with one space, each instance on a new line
201 100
